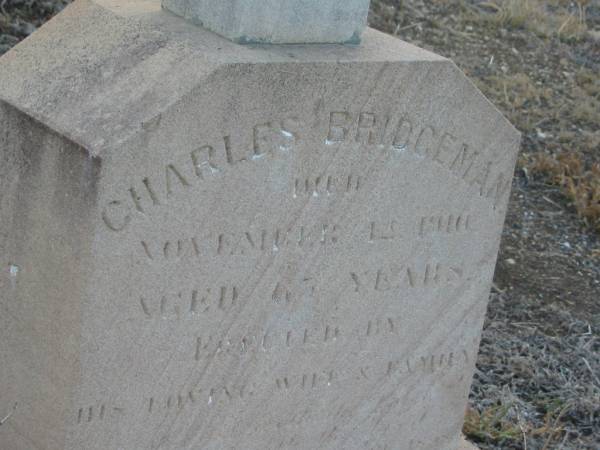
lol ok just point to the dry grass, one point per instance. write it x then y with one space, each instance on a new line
589 81
575 115
587 98
502 424
520 98
492 424
579 183
515 13
587 111
535 16
536 385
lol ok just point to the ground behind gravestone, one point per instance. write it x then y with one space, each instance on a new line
538 380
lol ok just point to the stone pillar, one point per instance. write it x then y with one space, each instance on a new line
278 21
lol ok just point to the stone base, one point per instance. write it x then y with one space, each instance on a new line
466 445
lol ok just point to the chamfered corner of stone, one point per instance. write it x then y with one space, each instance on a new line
26 118
141 46
485 104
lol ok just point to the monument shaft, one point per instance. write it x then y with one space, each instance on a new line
277 21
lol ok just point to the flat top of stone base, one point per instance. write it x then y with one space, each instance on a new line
99 69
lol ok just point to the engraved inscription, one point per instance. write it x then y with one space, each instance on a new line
406 276
325 186
285 384
272 241
448 224
192 304
409 365
315 339
384 232
443 148
280 137
283 294
249 242
266 341
204 162
98 413
438 224
304 381
161 404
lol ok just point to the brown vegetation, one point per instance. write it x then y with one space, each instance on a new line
581 185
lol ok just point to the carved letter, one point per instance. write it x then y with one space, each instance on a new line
339 127
499 189
366 128
171 171
262 138
113 219
203 158
402 136
425 141
464 161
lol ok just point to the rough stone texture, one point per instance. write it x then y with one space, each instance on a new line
214 246
466 445
278 21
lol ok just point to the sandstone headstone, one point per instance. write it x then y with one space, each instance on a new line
213 246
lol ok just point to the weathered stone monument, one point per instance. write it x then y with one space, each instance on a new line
207 245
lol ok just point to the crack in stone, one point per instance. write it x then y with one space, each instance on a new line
3 421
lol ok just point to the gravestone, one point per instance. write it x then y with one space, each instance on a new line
214 246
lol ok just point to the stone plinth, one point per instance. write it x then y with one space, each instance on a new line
278 21
214 246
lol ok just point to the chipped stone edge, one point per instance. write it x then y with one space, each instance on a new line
466 445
